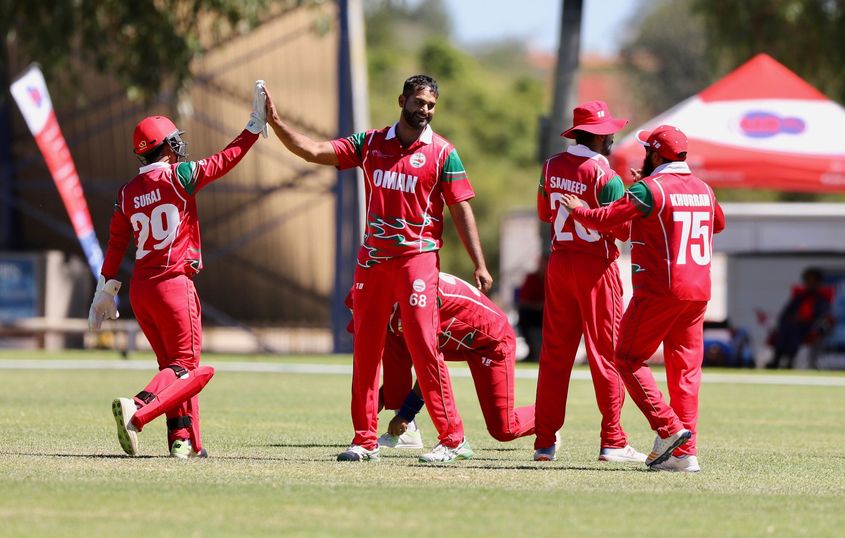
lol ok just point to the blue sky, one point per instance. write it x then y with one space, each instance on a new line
537 21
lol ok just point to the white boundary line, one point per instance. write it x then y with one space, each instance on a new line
343 369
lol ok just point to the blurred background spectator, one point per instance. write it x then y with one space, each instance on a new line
530 297
805 319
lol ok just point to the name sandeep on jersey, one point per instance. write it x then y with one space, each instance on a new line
569 185
387 179
146 199
690 200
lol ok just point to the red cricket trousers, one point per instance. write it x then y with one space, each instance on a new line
583 297
679 325
412 282
168 312
492 375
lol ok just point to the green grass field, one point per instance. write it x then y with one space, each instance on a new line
772 465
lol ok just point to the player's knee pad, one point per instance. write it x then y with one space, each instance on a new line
179 423
178 370
181 390
145 397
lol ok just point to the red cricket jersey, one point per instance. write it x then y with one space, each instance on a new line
157 207
675 215
587 175
406 189
469 320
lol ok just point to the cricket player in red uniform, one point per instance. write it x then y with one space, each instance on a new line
411 173
158 210
583 287
472 329
673 217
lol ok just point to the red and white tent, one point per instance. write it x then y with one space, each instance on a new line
761 126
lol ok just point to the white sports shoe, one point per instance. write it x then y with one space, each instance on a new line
444 454
626 454
678 464
409 439
359 453
123 409
184 449
663 447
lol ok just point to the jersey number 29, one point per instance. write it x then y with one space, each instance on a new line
163 222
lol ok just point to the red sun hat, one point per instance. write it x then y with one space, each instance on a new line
151 132
668 141
594 117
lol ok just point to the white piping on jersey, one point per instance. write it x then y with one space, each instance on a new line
675 167
663 228
430 192
713 212
152 166
464 297
599 175
425 137
184 209
369 180
580 150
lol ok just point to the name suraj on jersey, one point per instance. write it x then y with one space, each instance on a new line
146 199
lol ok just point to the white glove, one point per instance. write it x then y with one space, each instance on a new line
103 307
258 118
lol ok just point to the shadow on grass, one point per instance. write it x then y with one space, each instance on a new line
299 445
525 467
88 456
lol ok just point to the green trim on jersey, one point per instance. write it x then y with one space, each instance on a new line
612 191
186 174
357 141
641 197
453 168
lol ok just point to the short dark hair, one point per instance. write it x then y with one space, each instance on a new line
583 137
417 83
812 272
152 156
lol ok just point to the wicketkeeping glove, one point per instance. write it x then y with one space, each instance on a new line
258 118
103 306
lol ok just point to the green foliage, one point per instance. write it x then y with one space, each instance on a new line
666 57
489 113
808 36
147 44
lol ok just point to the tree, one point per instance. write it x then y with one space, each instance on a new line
146 44
808 36
666 56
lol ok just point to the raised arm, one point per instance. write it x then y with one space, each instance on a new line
320 152
465 223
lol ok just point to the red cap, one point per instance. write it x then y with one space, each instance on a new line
668 141
151 132
594 117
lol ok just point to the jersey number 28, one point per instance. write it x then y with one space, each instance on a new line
584 233
163 222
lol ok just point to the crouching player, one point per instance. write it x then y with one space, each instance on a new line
472 329
158 208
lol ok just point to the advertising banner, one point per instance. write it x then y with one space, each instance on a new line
30 92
